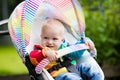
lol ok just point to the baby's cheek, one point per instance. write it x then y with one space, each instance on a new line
57 47
43 43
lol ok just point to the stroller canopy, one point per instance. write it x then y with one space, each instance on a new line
29 16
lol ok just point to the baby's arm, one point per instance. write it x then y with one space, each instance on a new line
51 55
91 45
41 57
37 55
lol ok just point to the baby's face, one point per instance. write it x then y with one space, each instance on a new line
52 35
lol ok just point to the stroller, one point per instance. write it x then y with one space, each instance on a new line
28 17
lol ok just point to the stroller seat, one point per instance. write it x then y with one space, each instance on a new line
29 16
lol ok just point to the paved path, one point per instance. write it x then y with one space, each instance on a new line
15 77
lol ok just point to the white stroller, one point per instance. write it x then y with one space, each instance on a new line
28 17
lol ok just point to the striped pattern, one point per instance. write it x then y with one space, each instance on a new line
15 29
41 65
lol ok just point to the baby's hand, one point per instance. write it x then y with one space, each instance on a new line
90 44
51 55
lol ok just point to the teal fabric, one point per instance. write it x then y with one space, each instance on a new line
76 54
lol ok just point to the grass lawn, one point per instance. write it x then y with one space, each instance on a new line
10 62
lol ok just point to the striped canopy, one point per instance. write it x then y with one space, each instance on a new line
30 14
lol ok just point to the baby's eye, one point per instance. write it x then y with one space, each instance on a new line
55 38
45 37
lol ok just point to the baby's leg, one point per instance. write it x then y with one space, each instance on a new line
89 68
68 76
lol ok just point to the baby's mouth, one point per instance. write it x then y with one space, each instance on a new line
50 46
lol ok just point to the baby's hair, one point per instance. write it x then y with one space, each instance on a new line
66 26
48 19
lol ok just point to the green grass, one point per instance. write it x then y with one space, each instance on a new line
10 62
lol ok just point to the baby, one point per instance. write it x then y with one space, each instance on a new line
52 39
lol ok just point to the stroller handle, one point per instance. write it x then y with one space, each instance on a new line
3 21
71 49
4 32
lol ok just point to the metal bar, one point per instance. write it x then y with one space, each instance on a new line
4 32
3 22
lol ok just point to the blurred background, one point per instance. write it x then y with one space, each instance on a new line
102 18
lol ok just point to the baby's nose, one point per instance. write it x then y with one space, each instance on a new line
50 41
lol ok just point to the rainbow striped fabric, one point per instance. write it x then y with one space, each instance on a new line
22 19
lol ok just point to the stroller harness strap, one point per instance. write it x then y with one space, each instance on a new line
61 67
